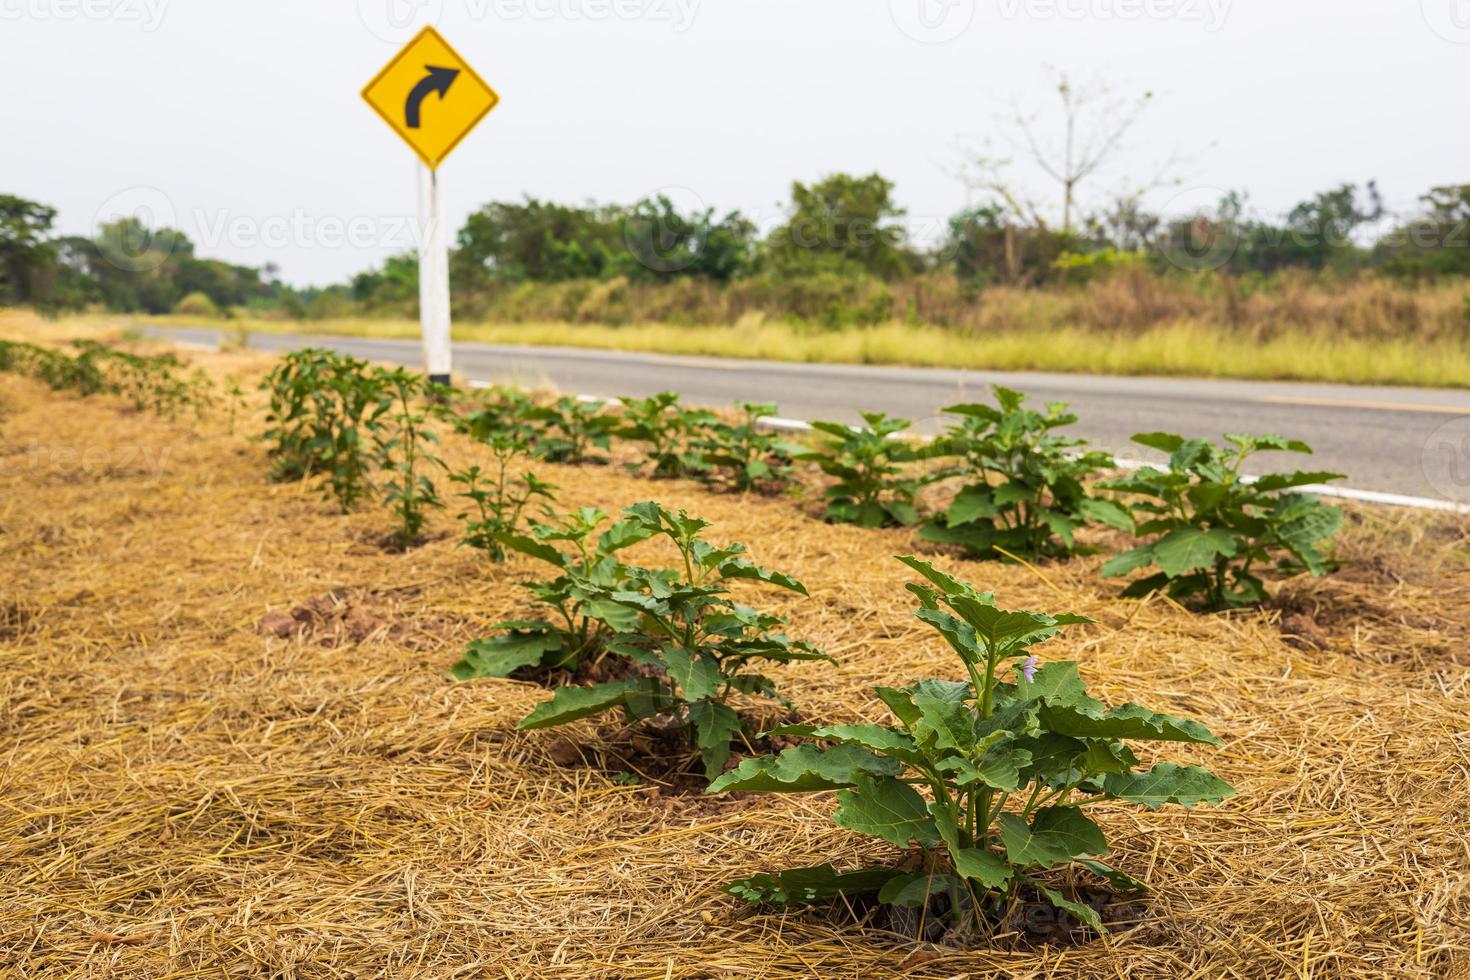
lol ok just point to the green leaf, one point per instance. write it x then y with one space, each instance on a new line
805 769
615 614
948 584
1104 756
1154 583
1055 683
715 725
943 724
501 656
915 891
960 634
971 504
978 539
886 808
1301 533
903 513
1003 630
1012 493
1188 548
1285 481
1168 783
982 865
1055 836
946 822
698 674
952 691
570 704
808 886
531 547
1085 914
625 534
1163 441
1120 880
999 768
1267 441
1128 561
1109 513
877 738
978 410
1053 757
740 568
1128 721
901 703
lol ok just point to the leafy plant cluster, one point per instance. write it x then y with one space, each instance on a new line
1212 528
355 424
404 450
989 778
497 496
157 383
873 487
670 644
1024 488
326 410
677 441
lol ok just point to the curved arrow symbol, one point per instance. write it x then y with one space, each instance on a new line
437 80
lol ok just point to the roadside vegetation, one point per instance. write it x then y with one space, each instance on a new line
719 705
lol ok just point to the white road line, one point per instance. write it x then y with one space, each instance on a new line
784 425
1343 493
1372 406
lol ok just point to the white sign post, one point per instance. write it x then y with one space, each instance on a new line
434 280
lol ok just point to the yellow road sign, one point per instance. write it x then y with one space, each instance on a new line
430 96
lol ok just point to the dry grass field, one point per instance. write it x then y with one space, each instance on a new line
186 794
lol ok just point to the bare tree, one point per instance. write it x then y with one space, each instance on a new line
1089 135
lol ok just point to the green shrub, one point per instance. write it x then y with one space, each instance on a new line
326 413
580 617
874 487
697 643
1028 494
745 454
1214 528
668 430
403 452
197 304
988 776
154 382
571 428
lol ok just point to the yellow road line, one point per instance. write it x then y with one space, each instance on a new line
1380 406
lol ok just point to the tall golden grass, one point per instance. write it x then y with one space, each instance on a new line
1361 330
1127 301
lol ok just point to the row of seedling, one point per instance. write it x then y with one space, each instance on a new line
159 383
982 783
1022 490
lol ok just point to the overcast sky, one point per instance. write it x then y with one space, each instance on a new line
241 123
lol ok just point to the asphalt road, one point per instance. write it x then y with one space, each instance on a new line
1411 441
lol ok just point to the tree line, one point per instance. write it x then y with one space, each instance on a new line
840 228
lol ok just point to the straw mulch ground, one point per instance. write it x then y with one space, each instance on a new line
181 796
